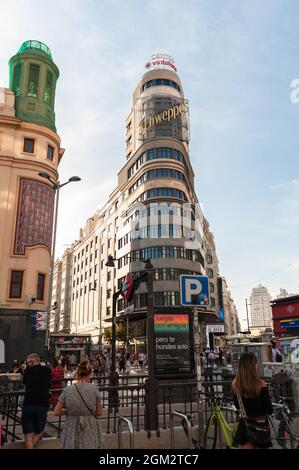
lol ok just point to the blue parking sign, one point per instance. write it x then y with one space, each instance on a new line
194 290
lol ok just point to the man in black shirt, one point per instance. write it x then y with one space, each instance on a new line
37 381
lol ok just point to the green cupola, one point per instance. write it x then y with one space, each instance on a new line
32 77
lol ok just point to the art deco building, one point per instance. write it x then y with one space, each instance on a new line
153 212
261 314
29 144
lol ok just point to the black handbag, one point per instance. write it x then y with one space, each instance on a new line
258 433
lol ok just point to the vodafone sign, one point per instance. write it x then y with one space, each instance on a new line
161 61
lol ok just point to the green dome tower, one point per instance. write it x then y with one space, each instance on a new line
32 77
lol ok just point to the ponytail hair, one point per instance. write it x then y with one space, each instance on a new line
84 369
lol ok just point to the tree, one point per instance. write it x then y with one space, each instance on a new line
121 333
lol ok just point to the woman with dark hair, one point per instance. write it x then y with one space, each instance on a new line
16 367
82 402
251 393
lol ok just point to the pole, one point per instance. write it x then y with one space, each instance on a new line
151 384
52 256
113 378
247 315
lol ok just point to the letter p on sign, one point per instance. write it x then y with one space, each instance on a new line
194 290
193 287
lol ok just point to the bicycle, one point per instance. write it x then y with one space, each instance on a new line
218 427
284 433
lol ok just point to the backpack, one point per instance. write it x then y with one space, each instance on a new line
278 357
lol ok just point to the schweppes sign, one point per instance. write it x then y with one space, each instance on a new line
167 115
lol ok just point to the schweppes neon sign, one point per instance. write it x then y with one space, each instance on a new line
167 115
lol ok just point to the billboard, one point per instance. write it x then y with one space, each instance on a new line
172 343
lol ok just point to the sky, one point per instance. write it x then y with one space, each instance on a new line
236 59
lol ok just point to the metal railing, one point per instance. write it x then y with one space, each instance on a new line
121 420
188 428
173 396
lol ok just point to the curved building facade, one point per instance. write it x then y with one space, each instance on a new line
167 224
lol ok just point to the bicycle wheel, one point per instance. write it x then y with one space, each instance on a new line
286 435
210 438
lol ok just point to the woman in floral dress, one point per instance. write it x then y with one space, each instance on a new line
82 402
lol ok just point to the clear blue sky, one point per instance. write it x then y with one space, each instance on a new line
236 60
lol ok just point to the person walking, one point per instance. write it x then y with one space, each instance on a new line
252 396
82 402
57 373
37 380
16 367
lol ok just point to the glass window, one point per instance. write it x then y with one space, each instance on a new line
48 88
50 153
16 281
40 286
33 80
28 145
16 79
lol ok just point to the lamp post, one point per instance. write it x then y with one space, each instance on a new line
247 316
151 414
56 185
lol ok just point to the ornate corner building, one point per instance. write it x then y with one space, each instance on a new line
152 213
29 145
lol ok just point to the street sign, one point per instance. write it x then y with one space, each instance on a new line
127 287
194 290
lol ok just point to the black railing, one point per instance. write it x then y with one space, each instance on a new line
179 396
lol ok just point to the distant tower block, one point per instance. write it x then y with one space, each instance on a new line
32 77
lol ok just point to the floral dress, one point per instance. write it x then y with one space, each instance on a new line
81 430
57 373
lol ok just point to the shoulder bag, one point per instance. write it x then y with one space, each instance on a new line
89 409
259 434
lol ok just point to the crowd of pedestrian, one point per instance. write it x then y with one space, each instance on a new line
130 363
215 358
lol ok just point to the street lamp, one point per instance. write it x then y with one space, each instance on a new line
56 185
151 384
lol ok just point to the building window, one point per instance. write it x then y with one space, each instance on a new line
95 268
213 303
86 262
28 145
212 288
96 254
108 276
81 291
102 249
81 277
16 281
102 264
85 289
210 273
209 259
108 313
91 244
90 257
90 272
40 286
48 88
50 153
33 80
108 293
109 242
16 79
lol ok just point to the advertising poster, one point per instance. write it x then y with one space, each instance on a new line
172 348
